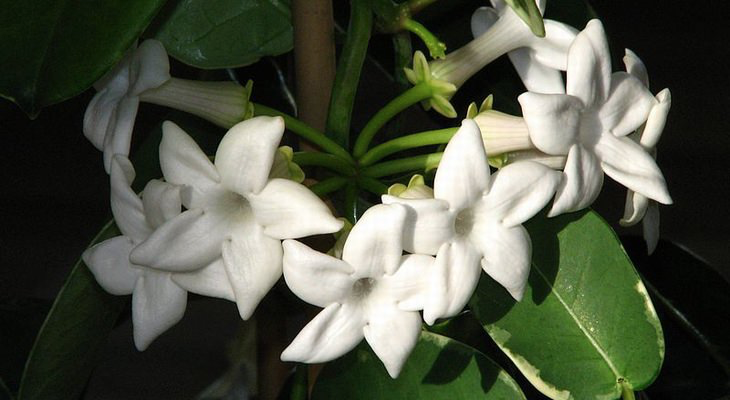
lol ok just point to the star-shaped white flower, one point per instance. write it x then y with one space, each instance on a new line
157 302
540 61
589 124
234 209
109 118
373 292
639 207
474 220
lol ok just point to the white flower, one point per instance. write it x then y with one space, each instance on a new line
373 292
474 220
110 116
157 302
498 31
234 209
539 63
639 207
589 124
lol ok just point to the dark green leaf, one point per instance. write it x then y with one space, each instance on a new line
586 325
438 368
55 49
227 33
528 11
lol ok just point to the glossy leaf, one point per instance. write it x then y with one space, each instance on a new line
53 50
586 326
528 11
438 368
227 33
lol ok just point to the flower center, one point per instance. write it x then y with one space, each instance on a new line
362 287
464 222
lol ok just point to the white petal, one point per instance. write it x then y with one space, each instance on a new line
253 263
657 118
507 256
287 210
118 138
207 281
553 120
187 242
99 114
316 278
627 106
333 332
375 244
636 67
589 65
429 223
635 208
456 278
482 20
184 163
161 202
109 262
392 334
246 153
149 67
552 50
536 77
581 184
157 304
463 173
410 286
519 191
651 227
630 165
125 204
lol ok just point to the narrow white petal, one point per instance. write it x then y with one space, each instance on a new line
536 77
581 183
410 286
98 115
457 275
628 105
157 304
333 332
507 256
253 262
161 202
482 20
207 281
184 163
149 67
375 243
519 191
392 334
553 120
429 223
651 227
636 67
589 65
635 208
287 210
463 173
187 242
657 118
246 153
109 262
118 137
316 278
125 204
629 164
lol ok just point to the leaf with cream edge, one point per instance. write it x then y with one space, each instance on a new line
586 327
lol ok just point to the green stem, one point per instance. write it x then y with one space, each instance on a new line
330 161
299 390
420 92
417 163
306 132
627 393
403 50
373 186
418 5
436 48
351 193
377 153
328 185
347 76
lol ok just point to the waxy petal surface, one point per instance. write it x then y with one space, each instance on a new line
157 304
314 277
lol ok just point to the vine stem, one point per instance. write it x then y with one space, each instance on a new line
417 163
328 185
372 185
377 153
306 132
421 91
330 161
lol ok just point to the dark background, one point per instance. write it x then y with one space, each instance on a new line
55 192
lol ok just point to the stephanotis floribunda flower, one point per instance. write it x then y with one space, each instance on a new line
157 301
589 124
639 207
235 209
373 292
475 219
